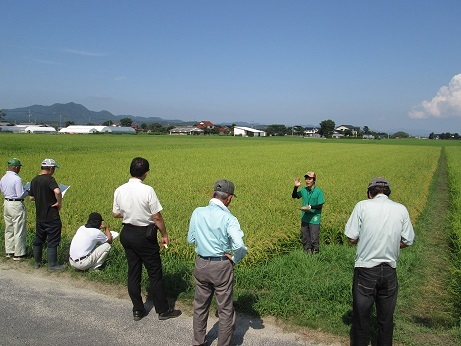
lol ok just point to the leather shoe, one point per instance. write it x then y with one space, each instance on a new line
170 313
138 314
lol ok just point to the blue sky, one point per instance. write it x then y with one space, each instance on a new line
389 65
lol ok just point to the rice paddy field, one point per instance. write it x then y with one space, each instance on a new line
276 278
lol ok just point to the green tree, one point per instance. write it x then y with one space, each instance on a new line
366 130
126 122
276 130
144 126
69 123
297 130
2 114
327 127
400 134
108 123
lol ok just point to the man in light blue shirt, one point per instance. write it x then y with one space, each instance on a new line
380 227
217 237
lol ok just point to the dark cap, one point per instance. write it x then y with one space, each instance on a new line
224 186
94 220
381 182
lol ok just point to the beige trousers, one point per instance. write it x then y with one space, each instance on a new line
15 216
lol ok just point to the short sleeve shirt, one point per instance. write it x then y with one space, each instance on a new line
42 189
312 197
136 202
379 225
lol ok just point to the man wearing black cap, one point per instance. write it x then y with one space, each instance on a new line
217 237
83 253
380 227
14 211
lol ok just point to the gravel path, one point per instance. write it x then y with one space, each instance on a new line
42 308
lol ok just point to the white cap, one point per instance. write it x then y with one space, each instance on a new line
49 163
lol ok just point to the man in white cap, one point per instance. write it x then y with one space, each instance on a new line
14 211
83 252
45 192
218 242
380 228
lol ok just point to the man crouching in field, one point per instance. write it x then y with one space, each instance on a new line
380 227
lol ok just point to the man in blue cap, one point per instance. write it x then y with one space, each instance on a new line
14 211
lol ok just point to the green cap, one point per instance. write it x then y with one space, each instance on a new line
14 162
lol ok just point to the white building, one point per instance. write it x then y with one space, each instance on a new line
39 129
120 129
311 132
248 132
11 128
86 129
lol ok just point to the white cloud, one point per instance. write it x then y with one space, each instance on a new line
81 52
447 102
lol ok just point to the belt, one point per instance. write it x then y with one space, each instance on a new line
214 258
14 199
80 259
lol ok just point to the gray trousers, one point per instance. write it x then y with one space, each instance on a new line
310 236
214 277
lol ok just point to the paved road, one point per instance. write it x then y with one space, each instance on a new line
42 308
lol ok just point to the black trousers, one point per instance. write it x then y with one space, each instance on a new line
49 232
141 251
379 286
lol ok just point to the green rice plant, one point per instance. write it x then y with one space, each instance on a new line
183 170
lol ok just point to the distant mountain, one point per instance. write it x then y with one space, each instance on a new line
58 113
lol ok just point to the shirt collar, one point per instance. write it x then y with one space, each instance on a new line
133 179
219 204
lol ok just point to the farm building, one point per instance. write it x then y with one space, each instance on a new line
11 128
39 129
248 132
187 130
28 128
74 129
120 129
85 129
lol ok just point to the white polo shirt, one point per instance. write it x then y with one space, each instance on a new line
379 224
11 185
136 202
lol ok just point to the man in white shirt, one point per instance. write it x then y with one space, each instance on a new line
137 204
14 211
83 253
380 227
